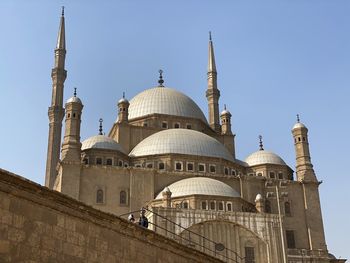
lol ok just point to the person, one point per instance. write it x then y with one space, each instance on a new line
131 218
143 221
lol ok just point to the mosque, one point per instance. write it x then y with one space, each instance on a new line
162 153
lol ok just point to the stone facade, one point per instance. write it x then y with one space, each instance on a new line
41 225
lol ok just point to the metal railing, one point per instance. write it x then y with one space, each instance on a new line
192 239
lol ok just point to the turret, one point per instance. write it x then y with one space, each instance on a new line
213 93
225 121
56 111
71 147
123 109
304 167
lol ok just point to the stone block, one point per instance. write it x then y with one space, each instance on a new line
4 201
18 221
5 217
4 247
16 235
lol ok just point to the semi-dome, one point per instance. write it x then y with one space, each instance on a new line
181 141
200 186
101 142
264 157
164 100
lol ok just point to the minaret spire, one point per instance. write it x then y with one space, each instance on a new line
213 93
56 111
211 60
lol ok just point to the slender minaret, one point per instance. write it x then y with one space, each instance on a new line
213 94
56 111
226 122
123 109
310 193
71 146
304 167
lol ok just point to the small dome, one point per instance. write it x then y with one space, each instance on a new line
123 100
225 112
164 100
181 141
101 142
264 157
74 99
166 190
258 197
200 186
298 125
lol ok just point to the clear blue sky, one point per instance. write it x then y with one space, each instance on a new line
275 58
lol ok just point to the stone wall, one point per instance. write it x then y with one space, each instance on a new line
41 225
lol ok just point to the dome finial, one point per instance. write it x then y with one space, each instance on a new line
75 92
209 35
224 106
160 81
100 130
261 146
62 10
298 118
123 94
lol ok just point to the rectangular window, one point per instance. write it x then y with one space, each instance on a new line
290 238
161 166
178 166
109 161
233 172
164 125
177 125
149 165
201 167
280 175
190 167
86 160
249 255
99 161
188 126
272 175
212 168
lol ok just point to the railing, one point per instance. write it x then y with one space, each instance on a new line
191 239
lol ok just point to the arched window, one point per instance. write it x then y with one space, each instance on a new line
229 207
185 205
122 197
109 162
287 209
221 206
99 196
212 205
267 206
204 205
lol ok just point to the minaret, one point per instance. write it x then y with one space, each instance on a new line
71 146
309 183
304 167
123 109
225 122
56 111
213 94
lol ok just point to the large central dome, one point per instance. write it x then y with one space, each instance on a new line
181 141
164 100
